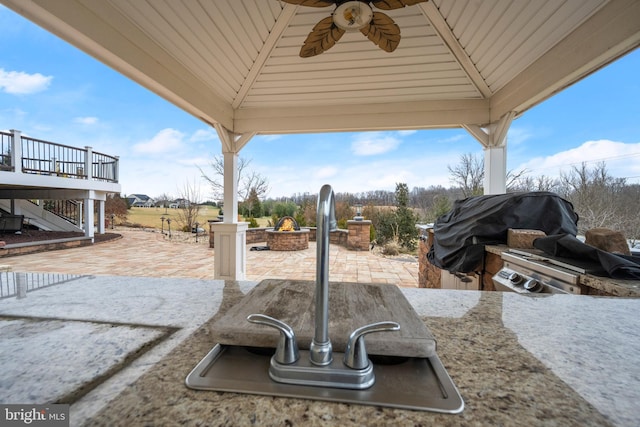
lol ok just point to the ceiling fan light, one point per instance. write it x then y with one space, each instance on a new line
352 15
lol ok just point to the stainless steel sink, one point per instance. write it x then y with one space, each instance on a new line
318 372
408 383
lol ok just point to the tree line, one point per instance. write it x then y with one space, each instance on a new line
599 199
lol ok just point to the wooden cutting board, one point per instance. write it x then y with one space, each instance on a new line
351 305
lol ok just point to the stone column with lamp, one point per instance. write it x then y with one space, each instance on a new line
359 230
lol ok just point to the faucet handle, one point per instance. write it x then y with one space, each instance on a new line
287 348
355 355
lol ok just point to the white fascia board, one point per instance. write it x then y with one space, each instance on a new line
349 118
52 194
17 180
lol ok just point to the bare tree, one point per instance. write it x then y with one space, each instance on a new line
163 200
630 209
468 175
596 196
188 216
248 180
522 182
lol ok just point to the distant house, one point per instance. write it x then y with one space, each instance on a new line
179 204
140 201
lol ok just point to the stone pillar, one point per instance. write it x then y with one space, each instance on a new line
429 276
358 238
229 260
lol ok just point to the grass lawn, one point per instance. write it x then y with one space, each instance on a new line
150 217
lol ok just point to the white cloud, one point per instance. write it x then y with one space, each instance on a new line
20 83
373 143
203 135
86 120
144 176
326 172
164 141
407 132
622 159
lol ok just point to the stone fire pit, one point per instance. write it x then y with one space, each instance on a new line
288 236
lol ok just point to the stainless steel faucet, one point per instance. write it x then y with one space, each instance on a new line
354 371
320 350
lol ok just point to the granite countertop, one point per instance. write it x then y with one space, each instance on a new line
529 360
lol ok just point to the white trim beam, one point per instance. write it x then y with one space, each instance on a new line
288 12
439 24
363 117
499 130
232 142
494 141
493 135
51 194
478 133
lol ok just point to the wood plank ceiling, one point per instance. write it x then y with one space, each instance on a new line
236 62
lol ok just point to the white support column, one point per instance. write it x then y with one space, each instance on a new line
80 214
88 218
230 236
101 217
494 140
495 170
230 196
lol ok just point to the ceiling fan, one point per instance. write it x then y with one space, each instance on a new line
353 15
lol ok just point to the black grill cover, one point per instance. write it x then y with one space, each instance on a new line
461 234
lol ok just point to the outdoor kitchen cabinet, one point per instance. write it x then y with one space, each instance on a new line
465 282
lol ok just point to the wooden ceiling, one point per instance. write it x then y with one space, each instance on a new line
236 63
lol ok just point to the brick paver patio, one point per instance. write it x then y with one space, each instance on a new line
151 254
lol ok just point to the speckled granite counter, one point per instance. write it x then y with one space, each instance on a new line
517 360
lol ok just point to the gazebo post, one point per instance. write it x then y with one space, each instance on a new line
494 140
230 236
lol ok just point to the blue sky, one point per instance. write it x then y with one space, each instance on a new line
50 90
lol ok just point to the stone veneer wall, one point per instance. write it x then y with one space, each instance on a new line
337 237
429 276
288 240
358 238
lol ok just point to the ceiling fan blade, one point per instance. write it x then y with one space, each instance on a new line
383 32
321 38
311 3
394 4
